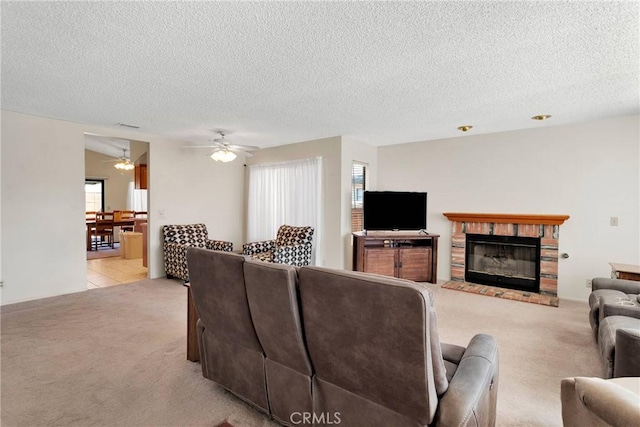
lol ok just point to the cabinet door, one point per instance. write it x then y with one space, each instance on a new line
140 177
380 261
415 264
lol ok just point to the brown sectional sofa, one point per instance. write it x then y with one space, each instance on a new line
319 346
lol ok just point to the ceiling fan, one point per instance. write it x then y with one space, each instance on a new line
123 162
224 151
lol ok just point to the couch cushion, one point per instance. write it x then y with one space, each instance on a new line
217 286
272 291
369 336
263 256
609 294
594 305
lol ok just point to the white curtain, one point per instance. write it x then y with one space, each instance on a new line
136 199
284 193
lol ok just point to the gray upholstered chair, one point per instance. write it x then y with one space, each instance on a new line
611 297
373 342
292 246
614 314
594 402
178 238
272 290
230 352
619 346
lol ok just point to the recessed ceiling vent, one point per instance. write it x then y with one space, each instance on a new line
128 126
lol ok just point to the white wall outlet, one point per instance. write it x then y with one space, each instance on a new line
162 214
614 221
589 283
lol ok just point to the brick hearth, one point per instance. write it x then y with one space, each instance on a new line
546 227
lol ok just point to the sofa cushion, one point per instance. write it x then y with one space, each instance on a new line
369 336
595 298
272 291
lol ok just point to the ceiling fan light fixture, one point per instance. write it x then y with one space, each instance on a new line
125 166
223 156
541 117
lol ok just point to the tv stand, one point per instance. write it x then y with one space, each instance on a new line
412 256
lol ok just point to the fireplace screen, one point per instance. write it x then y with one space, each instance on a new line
505 261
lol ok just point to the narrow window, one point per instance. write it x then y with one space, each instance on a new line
358 186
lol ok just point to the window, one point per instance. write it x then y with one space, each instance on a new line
358 186
284 193
94 195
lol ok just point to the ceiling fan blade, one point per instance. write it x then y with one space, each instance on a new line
201 146
244 147
235 150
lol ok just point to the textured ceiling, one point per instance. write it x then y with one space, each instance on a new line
272 73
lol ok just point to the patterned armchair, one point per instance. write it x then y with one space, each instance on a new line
177 238
292 246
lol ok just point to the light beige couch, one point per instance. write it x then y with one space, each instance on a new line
590 402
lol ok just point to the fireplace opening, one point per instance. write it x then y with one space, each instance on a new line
503 261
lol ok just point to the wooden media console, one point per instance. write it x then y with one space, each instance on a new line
411 256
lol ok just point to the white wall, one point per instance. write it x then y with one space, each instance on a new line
42 199
589 171
43 227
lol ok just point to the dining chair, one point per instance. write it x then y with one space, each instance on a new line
103 230
124 216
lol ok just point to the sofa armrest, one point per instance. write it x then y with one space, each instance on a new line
175 259
471 397
622 285
627 362
173 249
594 401
219 245
258 247
613 309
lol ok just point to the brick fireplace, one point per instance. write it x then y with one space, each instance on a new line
541 228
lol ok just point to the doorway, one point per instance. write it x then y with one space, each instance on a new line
112 174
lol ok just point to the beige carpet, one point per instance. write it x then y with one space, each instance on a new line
116 357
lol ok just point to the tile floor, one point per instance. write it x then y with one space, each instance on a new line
114 271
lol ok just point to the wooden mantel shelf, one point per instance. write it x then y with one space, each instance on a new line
507 218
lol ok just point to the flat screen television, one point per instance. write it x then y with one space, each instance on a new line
394 210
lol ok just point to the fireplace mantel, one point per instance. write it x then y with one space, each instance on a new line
507 218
